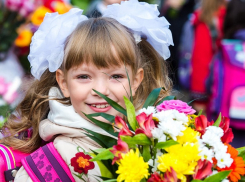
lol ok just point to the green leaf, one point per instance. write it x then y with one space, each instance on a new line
152 97
143 180
217 122
105 126
164 145
242 179
241 152
110 180
104 155
170 97
146 153
217 177
196 180
131 96
200 113
140 139
112 103
96 140
131 114
108 117
106 140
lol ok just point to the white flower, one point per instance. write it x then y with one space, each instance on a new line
172 128
151 161
211 138
149 110
158 134
142 18
223 159
47 47
180 117
207 154
220 147
215 130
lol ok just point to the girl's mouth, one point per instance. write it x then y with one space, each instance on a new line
100 107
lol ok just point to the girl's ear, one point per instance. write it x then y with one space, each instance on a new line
60 78
137 80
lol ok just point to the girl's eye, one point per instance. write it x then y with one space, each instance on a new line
116 76
83 77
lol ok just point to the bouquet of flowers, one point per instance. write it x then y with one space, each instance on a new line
163 143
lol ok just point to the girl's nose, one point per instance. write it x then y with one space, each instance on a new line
101 87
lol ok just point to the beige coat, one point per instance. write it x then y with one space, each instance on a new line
66 143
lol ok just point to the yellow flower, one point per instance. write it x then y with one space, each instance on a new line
189 136
132 167
191 119
38 15
24 38
182 158
61 7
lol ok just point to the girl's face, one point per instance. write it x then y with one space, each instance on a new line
112 82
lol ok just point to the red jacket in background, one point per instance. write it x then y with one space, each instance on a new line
203 51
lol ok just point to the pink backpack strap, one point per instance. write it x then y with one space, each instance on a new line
9 161
46 164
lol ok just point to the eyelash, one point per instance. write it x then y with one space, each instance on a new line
118 76
83 77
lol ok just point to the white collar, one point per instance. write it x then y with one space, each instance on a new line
66 116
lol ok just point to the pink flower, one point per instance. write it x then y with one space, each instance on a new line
146 124
26 8
169 176
121 124
121 147
178 105
13 5
3 86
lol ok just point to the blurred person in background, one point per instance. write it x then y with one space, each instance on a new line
97 7
177 13
228 73
208 22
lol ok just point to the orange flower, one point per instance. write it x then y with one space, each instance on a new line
24 38
38 15
237 167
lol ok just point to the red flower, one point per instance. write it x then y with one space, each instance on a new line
203 169
228 135
121 147
146 124
169 176
201 123
121 124
81 163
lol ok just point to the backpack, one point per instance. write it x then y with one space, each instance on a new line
10 162
186 49
228 83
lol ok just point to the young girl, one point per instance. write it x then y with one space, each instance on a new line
71 55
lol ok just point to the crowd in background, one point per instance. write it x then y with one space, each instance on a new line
204 66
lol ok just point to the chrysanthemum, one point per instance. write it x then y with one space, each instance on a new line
237 167
132 167
189 136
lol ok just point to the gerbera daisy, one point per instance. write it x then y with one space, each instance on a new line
237 167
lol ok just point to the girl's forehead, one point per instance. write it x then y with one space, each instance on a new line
93 67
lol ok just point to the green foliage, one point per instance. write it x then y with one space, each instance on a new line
112 103
152 97
131 114
164 145
217 122
140 139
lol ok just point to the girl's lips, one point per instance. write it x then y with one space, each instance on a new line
95 109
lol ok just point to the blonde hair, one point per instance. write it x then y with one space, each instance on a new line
87 45
209 8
